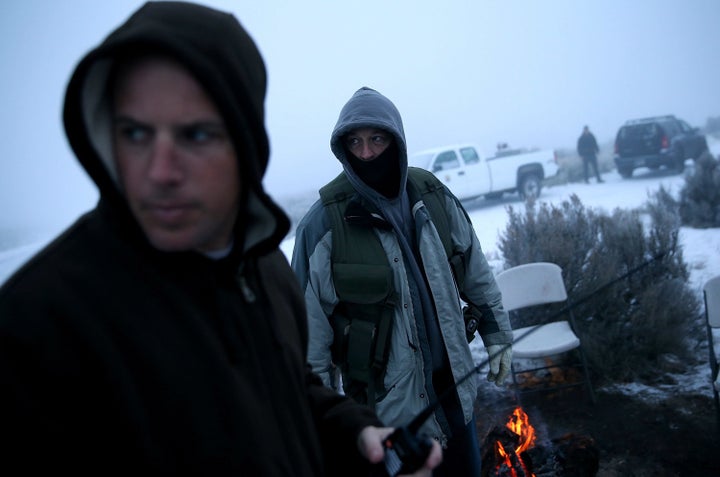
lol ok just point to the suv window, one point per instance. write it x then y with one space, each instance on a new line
671 128
645 131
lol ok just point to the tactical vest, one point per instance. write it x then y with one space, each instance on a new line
363 279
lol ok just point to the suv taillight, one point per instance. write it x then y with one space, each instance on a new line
664 142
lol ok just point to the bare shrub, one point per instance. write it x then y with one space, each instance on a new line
700 196
626 280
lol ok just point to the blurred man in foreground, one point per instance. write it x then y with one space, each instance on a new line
164 332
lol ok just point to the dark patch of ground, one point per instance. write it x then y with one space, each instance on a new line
675 437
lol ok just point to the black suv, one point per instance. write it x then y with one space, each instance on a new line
654 142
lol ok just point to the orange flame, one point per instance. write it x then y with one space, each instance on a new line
518 423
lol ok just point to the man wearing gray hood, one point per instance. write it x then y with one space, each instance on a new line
384 292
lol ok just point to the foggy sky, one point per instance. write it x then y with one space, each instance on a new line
529 73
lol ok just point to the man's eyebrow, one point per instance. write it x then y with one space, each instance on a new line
125 119
201 122
128 121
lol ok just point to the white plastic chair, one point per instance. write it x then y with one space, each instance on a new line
711 294
535 284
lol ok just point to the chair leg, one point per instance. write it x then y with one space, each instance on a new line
586 375
716 395
516 387
714 368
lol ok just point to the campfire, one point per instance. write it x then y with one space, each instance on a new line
511 451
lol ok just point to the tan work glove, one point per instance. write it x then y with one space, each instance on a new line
500 360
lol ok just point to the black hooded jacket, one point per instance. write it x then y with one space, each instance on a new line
118 358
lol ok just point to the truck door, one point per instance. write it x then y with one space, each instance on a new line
449 169
477 173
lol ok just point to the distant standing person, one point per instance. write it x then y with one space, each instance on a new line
588 148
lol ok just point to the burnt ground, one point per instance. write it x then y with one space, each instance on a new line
636 437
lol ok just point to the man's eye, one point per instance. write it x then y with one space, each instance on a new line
134 133
200 134
352 142
196 134
380 140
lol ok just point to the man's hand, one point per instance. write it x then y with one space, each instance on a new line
500 361
370 444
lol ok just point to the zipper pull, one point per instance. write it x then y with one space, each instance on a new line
247 292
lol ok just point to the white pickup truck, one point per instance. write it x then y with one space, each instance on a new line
468 174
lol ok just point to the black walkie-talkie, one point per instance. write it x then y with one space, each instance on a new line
405 450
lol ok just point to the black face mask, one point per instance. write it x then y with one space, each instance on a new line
382 173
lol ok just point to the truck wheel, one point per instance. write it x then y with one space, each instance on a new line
625 172
529 187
